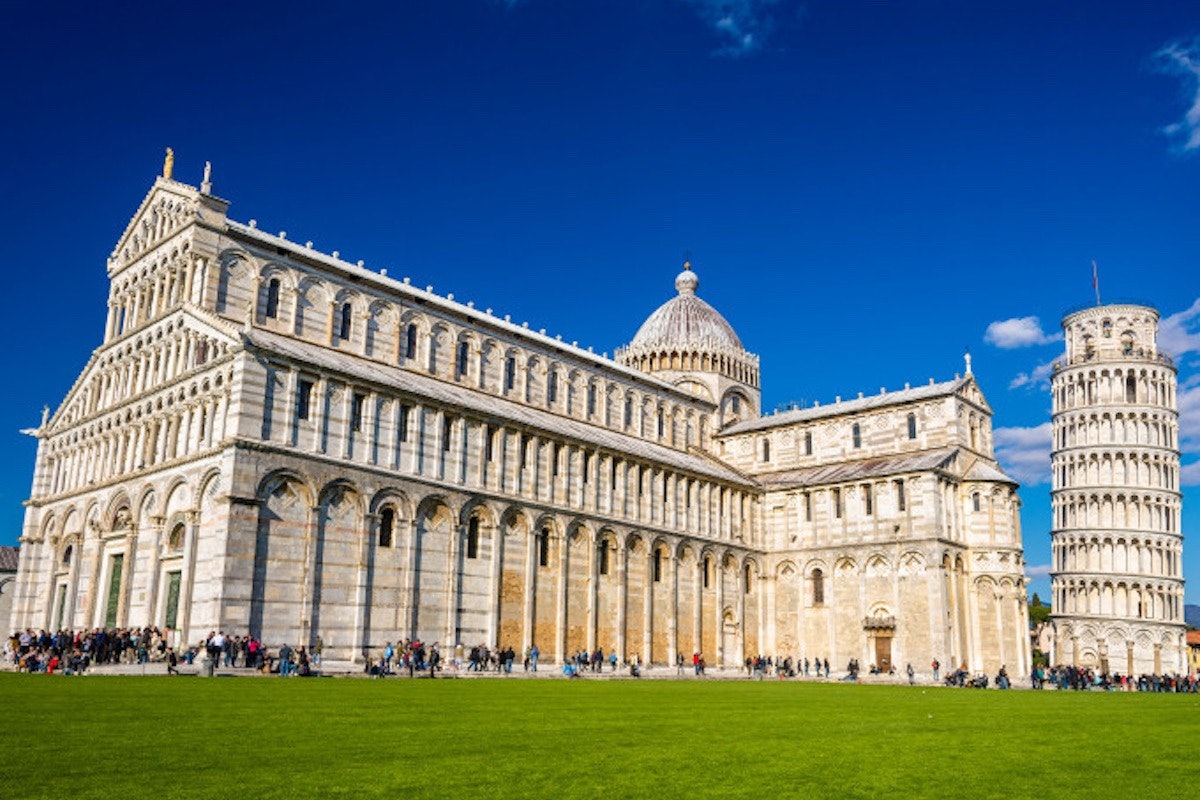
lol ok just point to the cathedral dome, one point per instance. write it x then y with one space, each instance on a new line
686 322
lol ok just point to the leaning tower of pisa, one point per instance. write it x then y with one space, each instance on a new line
1117 575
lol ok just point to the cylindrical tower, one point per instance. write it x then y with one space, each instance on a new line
1117 572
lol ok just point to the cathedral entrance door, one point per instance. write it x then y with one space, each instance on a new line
883 653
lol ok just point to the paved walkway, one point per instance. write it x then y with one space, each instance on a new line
348 669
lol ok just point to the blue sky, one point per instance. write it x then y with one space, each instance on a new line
864 187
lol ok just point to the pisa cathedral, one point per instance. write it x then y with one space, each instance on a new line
274 441
1117 572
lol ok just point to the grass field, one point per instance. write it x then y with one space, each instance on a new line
261 739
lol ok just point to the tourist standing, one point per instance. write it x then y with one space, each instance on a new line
285 660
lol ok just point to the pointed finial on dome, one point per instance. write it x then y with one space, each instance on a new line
686 281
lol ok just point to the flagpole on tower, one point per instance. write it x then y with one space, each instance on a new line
1096 281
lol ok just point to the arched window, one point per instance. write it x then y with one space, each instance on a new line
1107 328
591 399
552 387
447 432
272 309
410 341
766 449
404 410
510 373
175 540
808 446
544 548
344 333
707 569
976 502
658 566
1130 389
747 580
628 411
856 435
473 538
735 404
603 558
387 524
66 559
818 588
460 363
912 426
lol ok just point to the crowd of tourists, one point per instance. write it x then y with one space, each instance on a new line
762 666
1081 679
74 652
412 656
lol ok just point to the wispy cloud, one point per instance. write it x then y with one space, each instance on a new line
1037 378
1009 334
1038 570
1187 397
743 25
1025 452
1183 59
1179 334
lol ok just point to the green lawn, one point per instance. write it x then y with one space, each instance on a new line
258 739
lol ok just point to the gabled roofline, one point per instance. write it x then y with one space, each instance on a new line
184 309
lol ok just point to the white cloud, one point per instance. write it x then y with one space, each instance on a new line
1183 59
1038 570
1179 334
1025 452
1187 397
1038 378
744 25
1009 334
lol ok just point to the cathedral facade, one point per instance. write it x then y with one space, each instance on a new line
274 441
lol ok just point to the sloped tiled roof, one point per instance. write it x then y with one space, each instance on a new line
489 406
8 558
846 471
982 471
